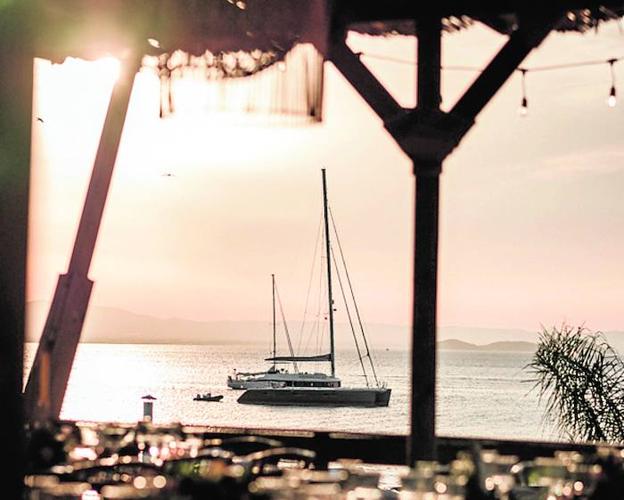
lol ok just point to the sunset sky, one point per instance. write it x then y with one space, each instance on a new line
532 209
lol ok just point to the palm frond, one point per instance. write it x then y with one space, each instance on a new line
581 379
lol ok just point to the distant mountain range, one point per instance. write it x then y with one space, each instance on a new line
113 325
458 345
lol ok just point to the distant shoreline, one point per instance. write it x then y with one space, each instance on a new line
505 345
444 345
109 325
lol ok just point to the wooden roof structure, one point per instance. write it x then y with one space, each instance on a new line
503 16
90 28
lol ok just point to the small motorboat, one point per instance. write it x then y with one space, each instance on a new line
208 397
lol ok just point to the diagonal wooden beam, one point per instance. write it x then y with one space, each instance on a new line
50 372
359 76
528 37
430 134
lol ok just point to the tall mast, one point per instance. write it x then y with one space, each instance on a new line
274 342
329 276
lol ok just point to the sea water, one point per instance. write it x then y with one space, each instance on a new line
480 393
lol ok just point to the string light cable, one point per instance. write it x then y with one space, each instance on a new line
523 71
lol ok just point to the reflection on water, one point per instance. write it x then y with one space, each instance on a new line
480 393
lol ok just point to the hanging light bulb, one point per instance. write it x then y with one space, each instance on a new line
524 106
612 100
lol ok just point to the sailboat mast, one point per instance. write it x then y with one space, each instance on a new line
329 276
274 335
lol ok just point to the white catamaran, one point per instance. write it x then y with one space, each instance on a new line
275 377
318 389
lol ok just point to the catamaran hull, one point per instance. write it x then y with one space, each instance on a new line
344 396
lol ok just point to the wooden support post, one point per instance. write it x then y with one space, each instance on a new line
16 84
46 388
427 136
421 444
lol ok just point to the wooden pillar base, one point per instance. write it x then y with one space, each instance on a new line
421 442
43 397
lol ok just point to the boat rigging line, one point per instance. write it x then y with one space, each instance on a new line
305 311
357 310
344 298
321 326
290 347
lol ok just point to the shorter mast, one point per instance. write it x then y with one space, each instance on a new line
274 341
329 277
276 359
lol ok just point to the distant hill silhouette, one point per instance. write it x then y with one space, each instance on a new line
513 346
481 335
456 345
113 325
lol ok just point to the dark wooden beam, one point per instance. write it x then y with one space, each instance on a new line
427 136
362 80
49 375
430 134
356 11
428 81
390 449
421 445
530 35
16 87
422 442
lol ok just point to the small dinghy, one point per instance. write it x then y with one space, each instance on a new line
208 397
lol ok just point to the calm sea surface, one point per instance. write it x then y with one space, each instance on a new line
480 394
